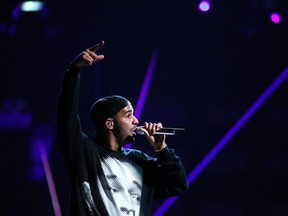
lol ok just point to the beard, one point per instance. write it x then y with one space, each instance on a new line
129 139
123 137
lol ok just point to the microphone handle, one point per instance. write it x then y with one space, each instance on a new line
164 131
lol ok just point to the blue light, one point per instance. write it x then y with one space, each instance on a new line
204 6
32 6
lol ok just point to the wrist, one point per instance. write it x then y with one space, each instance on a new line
161 148
73 69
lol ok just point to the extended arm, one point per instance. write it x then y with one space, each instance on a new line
68 123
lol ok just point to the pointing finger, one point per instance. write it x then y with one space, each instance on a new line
97 46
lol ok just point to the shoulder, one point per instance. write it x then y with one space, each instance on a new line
135 155
128 151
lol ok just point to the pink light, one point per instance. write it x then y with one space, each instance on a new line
50 180
275 18
204 6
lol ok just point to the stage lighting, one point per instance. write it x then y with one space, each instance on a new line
28 7
204 6
28 17
31 6
275 18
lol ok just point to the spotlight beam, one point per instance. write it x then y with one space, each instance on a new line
145 87
146 84
243 119
50 181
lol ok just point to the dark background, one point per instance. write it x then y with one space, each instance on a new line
211 67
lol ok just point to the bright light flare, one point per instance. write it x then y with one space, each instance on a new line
275 18
204 6
31 6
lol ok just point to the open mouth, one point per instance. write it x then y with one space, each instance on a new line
134 132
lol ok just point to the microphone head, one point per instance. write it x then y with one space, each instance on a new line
138 131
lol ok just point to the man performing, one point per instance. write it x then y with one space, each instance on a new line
107 178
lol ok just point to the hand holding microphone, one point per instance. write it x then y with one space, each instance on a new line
163 131
151 129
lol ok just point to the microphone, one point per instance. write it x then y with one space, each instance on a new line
163 131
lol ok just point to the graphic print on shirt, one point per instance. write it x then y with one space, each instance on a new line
86 192
120 188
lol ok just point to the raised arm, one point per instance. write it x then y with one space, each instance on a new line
69 131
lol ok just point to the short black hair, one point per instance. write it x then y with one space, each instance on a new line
107 107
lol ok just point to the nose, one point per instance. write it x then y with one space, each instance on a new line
135 122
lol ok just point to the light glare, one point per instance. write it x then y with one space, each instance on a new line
31 6
275 18
204 6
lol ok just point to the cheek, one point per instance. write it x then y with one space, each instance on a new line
127 121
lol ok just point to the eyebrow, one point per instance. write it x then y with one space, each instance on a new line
114 182
137 184
128 111
111 176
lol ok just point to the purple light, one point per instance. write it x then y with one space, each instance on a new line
145 87
204 6
164 207
37 172
40 136
50 180
3 27
275 18
16 12
12 30
244 118
146 84
14 120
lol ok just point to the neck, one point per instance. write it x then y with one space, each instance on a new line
110 142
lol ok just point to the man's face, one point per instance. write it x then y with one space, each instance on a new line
122 189
125 124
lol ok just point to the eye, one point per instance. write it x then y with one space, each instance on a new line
135 197
129 116
114 190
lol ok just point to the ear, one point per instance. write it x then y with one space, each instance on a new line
109 123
